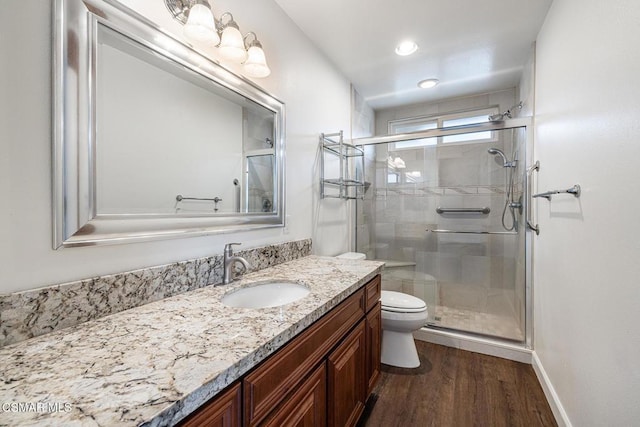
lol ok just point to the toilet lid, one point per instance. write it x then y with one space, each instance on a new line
399 302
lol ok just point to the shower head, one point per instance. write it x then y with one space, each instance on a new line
505 162
508 114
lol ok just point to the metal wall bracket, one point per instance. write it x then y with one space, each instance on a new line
575 190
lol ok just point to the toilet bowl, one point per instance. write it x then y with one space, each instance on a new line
402 314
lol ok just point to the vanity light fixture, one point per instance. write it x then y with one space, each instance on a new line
428 83
406 47
231 43
256 63
201 26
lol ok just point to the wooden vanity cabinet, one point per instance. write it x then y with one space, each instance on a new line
224 410
321 377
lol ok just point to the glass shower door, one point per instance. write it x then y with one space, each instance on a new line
437 213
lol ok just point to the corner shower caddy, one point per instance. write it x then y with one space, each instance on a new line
347 185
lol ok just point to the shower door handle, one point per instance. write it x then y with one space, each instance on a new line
534 227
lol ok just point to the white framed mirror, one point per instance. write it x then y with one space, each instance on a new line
153 140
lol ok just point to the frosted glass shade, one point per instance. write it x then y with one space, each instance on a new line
231 45
201 26
256 63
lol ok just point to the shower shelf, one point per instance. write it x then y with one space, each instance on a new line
347 186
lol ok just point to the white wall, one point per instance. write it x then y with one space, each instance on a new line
586 259
317 99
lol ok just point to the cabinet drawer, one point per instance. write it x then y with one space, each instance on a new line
372 292
265 387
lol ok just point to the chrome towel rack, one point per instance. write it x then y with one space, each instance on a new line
575 190
483 210
471 232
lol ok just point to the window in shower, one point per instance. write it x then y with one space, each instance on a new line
417 124
413 125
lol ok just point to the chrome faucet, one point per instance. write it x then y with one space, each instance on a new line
229 261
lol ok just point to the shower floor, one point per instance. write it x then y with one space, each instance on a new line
476 322
476 309
463 307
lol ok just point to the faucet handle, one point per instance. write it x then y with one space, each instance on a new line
228 248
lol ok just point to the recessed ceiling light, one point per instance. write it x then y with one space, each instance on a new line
428 83
407 47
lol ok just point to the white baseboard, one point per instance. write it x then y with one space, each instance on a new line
552 397
475 344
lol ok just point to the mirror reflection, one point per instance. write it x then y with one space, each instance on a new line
206 150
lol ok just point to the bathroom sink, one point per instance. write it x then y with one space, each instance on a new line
271 293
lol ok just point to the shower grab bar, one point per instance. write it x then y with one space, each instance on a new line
471 232
575 190
534 167
483 210
215 200
180 198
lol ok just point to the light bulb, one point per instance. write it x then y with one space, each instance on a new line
428 83
232 45
407 47
256 63
201 26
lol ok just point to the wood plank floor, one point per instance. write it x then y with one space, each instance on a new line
458 388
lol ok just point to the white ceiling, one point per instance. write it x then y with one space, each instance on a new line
471 46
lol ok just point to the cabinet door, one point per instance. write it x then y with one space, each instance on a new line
221 411
347 382
374 342
306 406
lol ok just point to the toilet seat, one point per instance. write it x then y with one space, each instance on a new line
397 302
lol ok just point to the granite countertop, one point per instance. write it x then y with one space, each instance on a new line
155 364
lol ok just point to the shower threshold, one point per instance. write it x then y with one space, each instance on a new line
478 343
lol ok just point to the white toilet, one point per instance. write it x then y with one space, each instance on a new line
401 315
